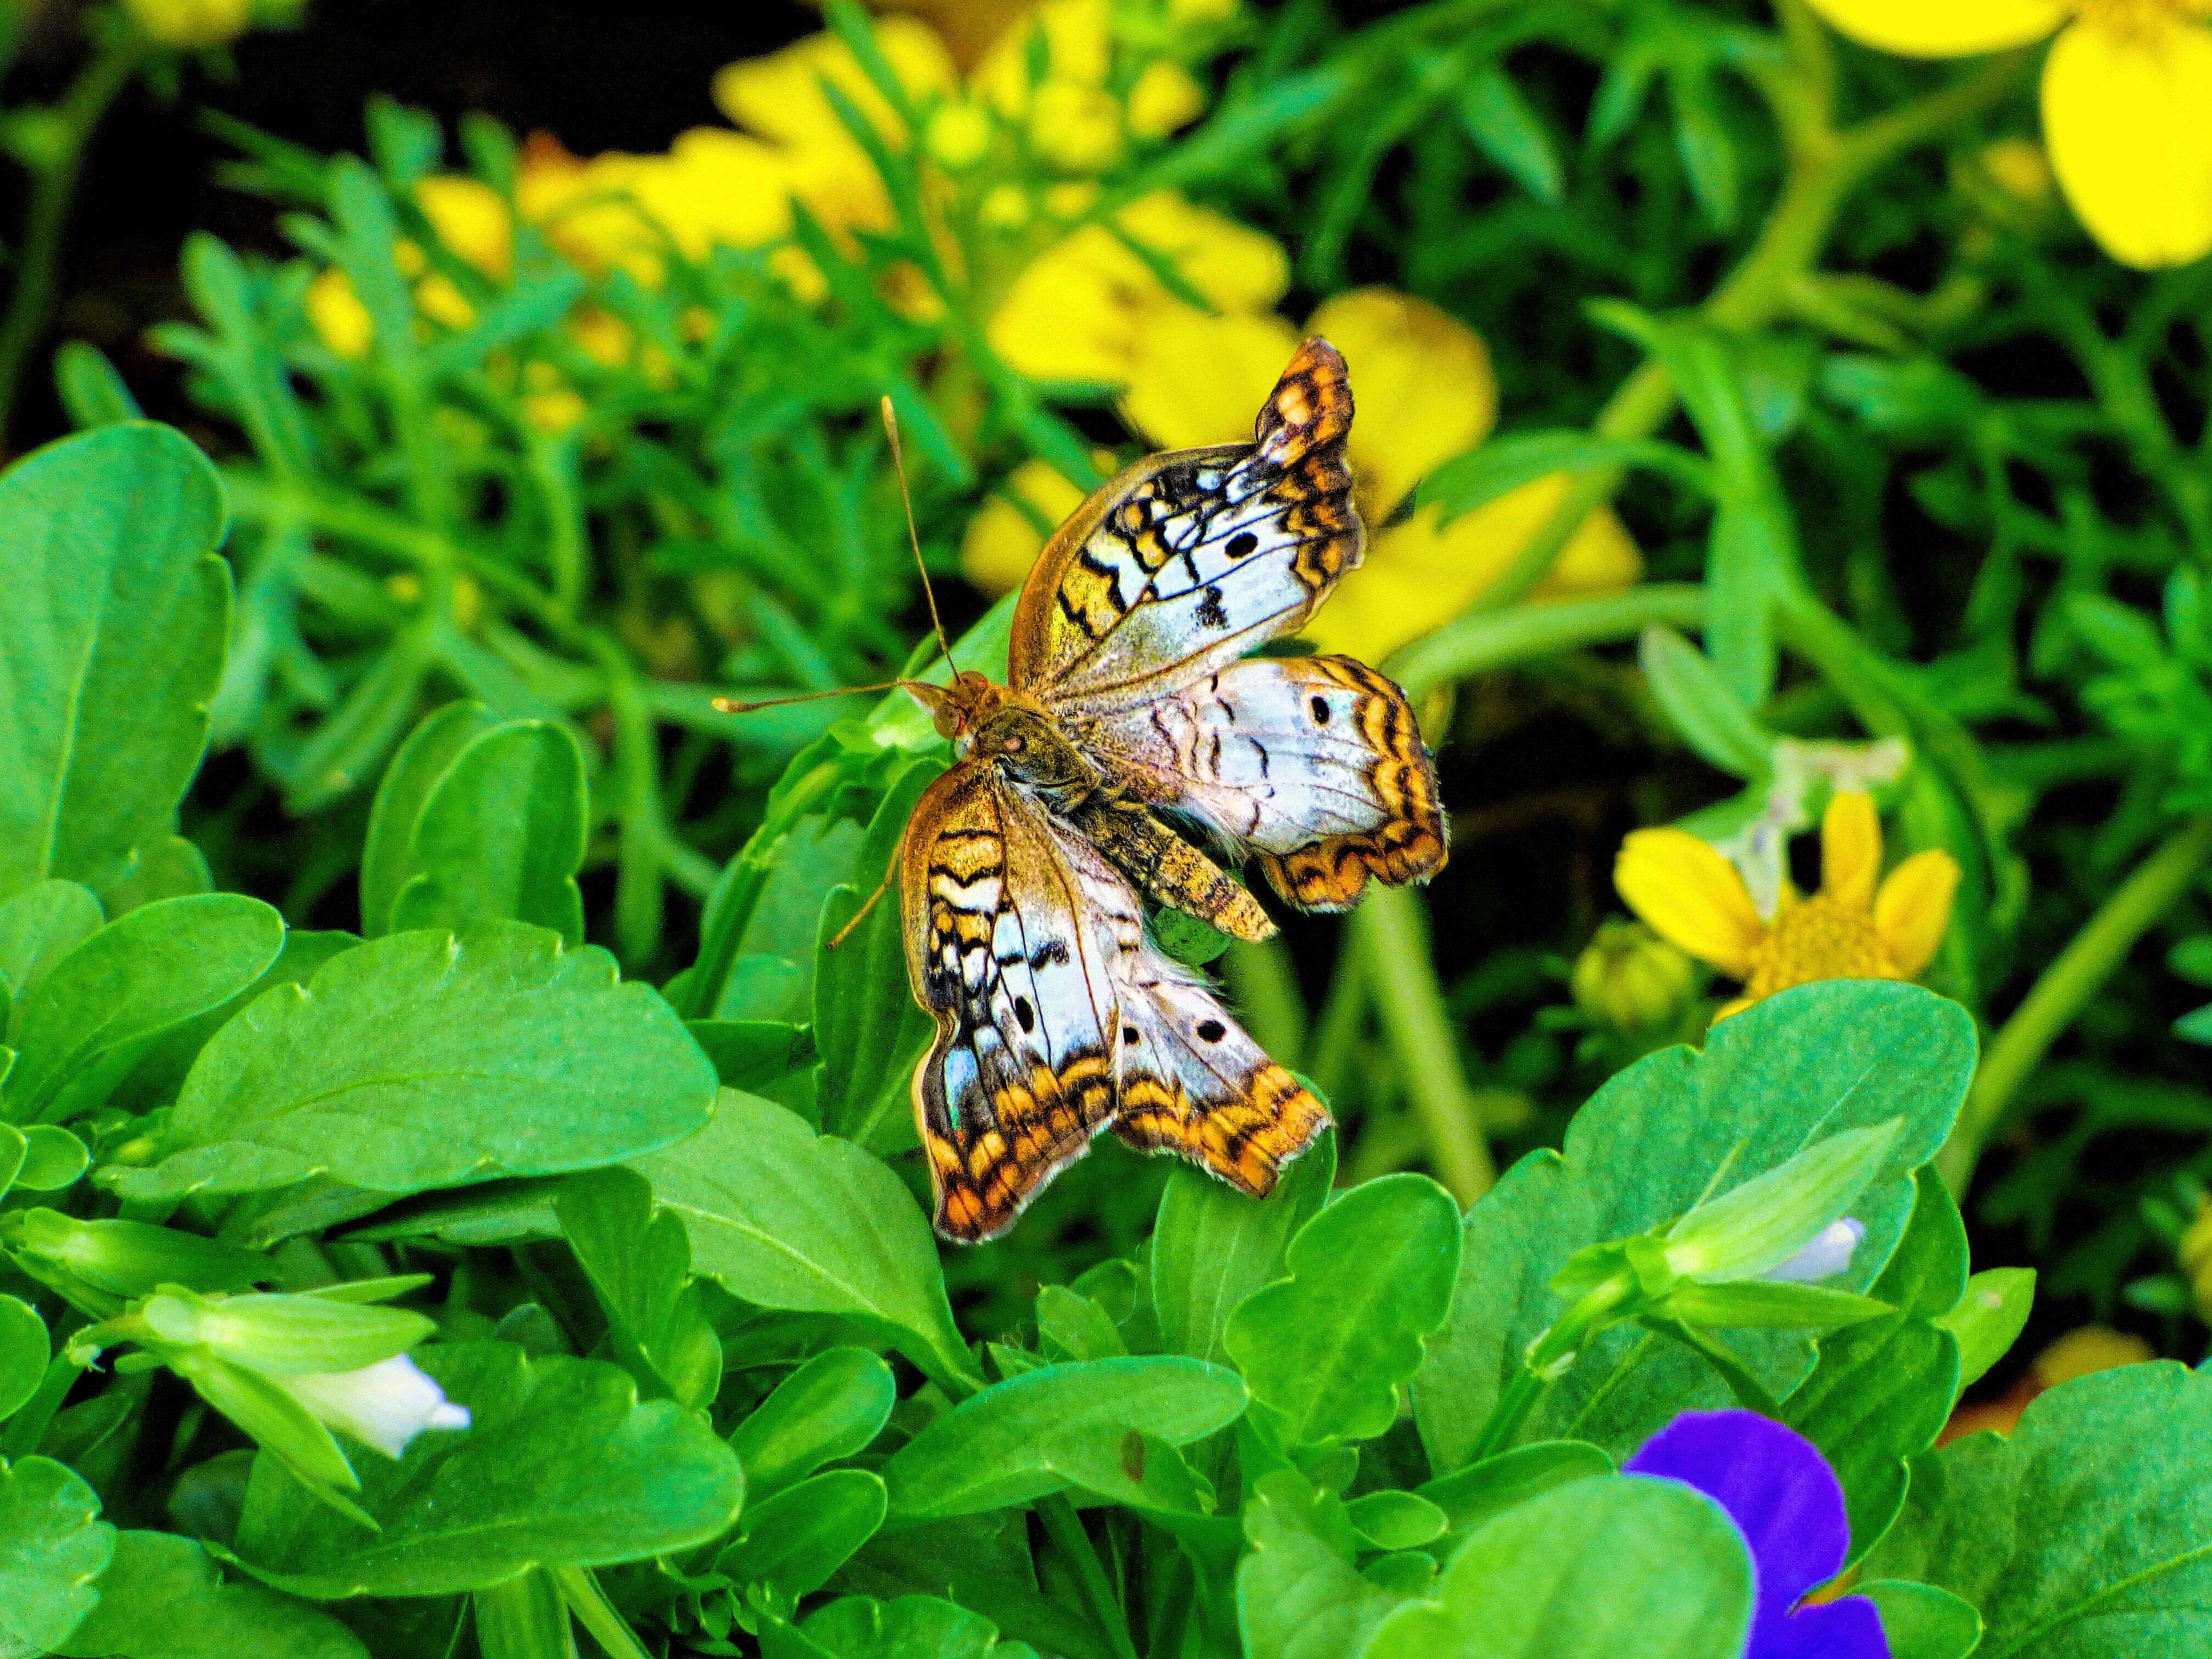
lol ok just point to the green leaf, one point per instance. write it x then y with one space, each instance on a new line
1012 1442
1499 466
167 866
2083 1535
23 1354
52 1546
1784 1074
116 611
501 834
794 1543
1989 1318
98 1010
562 1466
911 1627
1882 1390
1370 1277
525 1618
1593 1570
92 390
39 926
1472 1496
424 1060
1710 716
787 1218
640 1264
1213 1246
829 1408
53 1160
162 1597
353 737
1298 1596
387 860
1511 133
1922 1622
868 1029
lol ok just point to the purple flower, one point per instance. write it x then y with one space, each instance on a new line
1785 1500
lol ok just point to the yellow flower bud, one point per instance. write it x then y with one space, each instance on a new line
1075 126
1631 980
2195 1254
1005 207
191 25
1191 13
2022 168
959 135
1164 98
337 315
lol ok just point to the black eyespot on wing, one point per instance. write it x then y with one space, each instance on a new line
1025 1013
1211 1031
1129 1034
1240 544
1211 612
1320 707
1051 951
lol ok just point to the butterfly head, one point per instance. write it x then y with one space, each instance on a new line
958 709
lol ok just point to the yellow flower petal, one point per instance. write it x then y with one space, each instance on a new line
1420 380
193 25
1003 540
1078 46
2127 115
970 28
1913 908
1234 266
1686 891
1943 29
1166 96
1850 849
780 95
1078 310
1198 379
1421 573
1734 1005
471 219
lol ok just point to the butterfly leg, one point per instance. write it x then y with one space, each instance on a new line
866 904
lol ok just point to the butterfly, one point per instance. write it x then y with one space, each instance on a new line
1131 716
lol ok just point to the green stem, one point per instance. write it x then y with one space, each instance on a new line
1392 937
1481 640
1548 1359
1265 985
53 182
1065 1528
1827 168
2066 987
596 1615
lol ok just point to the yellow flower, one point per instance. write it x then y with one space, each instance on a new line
2127 102
193 25
1686 891
471 223
1003 537
1423 392
1086 309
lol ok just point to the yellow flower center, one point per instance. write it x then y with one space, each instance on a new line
1817 938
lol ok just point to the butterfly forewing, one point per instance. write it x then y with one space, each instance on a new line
1055 1015
1188 560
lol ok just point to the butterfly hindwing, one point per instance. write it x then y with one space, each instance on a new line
1189 559
1314 765
1056 1016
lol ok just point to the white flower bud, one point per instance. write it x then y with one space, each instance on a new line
384 1405
1826 1255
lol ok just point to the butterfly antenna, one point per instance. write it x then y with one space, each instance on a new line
732 706
912 537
